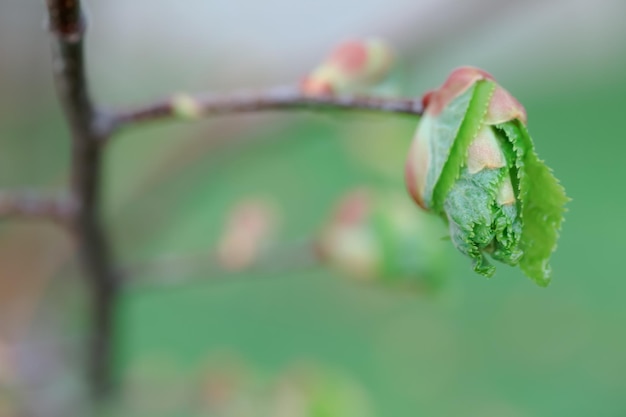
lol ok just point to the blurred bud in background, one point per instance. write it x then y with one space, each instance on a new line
227 388
381 237
351 67
248 230
230 389
307 390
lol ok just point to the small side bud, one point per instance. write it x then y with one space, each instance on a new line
352 66
186 107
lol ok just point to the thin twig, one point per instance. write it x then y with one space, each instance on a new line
34 205
277 98
89 129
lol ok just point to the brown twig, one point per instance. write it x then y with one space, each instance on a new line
277 98
33 205
89 128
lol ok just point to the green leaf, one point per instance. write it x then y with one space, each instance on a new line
542 200
469 119
469 209
478 224
441 132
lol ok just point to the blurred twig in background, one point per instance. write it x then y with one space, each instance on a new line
91 127
31 204
185 269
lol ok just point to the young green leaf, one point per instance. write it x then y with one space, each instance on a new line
543 200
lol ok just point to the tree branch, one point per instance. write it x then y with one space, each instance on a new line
31 204
88 129
277 98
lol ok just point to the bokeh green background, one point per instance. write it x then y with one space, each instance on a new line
499 347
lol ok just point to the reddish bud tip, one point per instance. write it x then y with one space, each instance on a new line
350 56
502 108
351 66
353 208
457 83
426 98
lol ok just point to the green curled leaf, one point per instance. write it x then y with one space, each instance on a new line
542 199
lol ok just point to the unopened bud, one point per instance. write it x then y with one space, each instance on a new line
472 161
